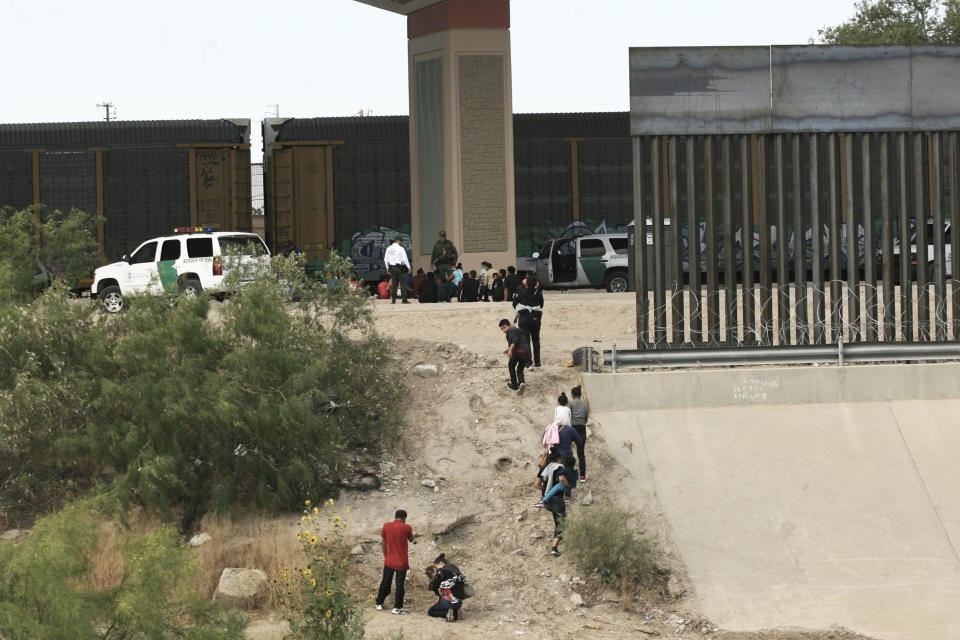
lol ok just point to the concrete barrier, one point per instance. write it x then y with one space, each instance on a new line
772 386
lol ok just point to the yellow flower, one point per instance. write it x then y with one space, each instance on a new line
330 501
329 613
316 509
306 502
307 573
329 592
348 509
286 570
313 540
313 582
299 536
336 518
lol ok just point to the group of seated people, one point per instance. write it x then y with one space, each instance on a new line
464 286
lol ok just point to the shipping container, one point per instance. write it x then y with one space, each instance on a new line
143 177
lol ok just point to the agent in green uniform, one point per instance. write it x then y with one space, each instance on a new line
444 257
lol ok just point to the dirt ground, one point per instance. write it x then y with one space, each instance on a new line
478 442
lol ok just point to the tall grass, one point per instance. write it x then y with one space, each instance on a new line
260 543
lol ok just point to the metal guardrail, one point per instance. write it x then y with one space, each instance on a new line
839 353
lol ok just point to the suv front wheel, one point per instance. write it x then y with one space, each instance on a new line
190 288
111 299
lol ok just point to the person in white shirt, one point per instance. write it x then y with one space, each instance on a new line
561 414
395 257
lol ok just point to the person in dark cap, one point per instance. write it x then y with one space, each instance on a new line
444 257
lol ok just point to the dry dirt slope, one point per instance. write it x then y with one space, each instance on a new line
477 442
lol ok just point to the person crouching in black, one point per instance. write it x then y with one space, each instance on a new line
446 581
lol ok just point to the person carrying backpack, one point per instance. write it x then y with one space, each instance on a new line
450 585
553 473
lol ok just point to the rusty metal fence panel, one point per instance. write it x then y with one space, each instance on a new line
797 238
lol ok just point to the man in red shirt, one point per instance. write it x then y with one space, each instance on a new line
394 537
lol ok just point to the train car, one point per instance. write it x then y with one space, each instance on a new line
337 183
143 177
344 182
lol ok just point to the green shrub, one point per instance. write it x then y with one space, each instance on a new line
315 598
36 244
603 542
184 409
48 590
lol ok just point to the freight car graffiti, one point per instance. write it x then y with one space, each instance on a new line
366 248
211 163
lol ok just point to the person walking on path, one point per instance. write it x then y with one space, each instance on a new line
444 256
393 538
566 434
550 475
529 305
395 257
579 414
518 352
561 413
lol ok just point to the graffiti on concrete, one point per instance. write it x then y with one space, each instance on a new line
365 249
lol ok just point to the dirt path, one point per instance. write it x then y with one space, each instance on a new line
477 442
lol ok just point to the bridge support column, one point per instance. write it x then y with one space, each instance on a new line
461 131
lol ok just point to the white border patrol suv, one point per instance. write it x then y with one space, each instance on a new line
594 260
188 263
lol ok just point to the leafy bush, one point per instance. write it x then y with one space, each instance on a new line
184 409
603 544
51 356
315 598
48 591
36 245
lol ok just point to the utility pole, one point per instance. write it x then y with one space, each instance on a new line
107 106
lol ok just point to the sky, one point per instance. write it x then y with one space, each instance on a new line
216 59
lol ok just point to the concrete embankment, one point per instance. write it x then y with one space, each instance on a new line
805 496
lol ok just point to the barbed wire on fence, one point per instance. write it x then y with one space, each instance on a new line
791 315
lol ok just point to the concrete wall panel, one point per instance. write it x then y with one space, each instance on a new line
483 153
728 90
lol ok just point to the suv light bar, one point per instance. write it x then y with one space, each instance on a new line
193 229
